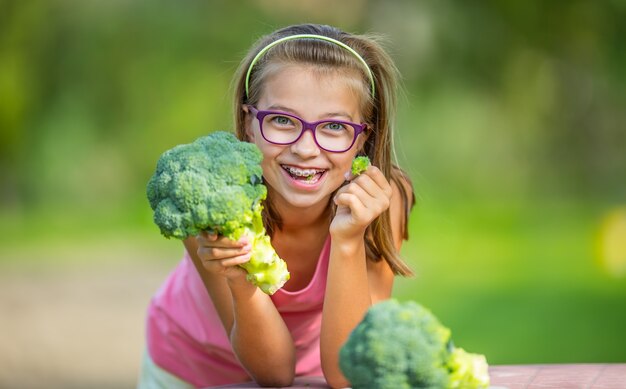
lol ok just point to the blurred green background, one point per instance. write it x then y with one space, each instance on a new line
511 125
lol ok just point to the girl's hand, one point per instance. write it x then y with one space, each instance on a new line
359 203
221 256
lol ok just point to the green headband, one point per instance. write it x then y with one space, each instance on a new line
308 36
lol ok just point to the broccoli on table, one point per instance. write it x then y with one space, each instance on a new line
215 184
403 345
360 164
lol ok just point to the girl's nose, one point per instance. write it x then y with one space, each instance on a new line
306 147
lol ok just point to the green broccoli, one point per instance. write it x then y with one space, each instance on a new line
403 345
215 184
360 164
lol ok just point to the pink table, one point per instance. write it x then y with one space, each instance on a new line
570 376
564 376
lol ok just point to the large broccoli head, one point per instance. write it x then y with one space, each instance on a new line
214 184
403 345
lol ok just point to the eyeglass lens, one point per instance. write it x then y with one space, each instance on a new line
330 135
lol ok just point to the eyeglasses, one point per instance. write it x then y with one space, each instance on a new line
281 128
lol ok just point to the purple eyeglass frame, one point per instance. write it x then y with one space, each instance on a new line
260 115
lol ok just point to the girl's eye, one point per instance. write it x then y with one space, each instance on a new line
282 120
335 126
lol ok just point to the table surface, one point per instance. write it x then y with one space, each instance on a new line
552 376
587 376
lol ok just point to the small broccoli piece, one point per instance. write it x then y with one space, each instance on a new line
360 164
215 184
403 345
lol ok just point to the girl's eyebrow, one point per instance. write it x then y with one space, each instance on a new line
276 107
340 114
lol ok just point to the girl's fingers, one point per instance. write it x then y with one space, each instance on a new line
209 253
210 239
358 191
373 180
238 260
220 255
351 201
371 188
228 266
372 196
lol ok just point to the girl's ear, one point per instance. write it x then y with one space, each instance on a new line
248 124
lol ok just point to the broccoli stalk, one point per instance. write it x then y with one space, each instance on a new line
403 345
360 164
214 184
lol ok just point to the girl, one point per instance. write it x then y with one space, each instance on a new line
311 97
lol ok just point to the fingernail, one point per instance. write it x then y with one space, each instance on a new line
348 176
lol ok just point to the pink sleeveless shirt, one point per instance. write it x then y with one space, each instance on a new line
186 337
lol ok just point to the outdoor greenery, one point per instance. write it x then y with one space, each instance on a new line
511 125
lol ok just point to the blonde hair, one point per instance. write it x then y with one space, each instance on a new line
378 111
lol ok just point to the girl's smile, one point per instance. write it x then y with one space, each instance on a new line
305 178
308 175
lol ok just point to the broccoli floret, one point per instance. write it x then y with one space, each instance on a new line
360 164
403 345
467 370
215 184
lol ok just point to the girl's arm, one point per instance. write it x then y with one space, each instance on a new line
258 334
355 283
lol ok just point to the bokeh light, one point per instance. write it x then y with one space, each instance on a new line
612 242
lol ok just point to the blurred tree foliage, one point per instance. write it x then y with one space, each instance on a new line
503 98
530 94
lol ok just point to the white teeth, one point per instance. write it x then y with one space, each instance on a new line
302 172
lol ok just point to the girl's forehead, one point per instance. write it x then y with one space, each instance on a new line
313 86
296 71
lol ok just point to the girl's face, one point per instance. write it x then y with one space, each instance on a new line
301 173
